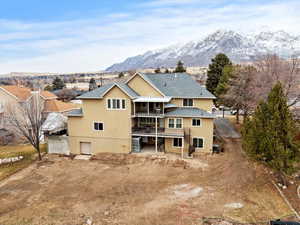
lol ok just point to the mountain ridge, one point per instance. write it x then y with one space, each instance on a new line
239 48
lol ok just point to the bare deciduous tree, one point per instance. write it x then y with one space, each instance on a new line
26 120
240 95
272 69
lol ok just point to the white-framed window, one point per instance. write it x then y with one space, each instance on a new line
177 142
116 104
188 102
198 142
98 126
196 122
175 123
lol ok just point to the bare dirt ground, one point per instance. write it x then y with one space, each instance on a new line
140 190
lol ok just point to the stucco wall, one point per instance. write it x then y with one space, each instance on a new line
58 145
116 136
205 131
140 86
205 104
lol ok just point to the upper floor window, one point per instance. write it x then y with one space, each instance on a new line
116 103
188 102
175 123
196 122
98 126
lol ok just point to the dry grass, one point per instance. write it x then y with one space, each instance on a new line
27 151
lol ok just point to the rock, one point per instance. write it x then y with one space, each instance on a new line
284 187
89 221
106 213
235 205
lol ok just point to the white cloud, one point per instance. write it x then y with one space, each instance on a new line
94 44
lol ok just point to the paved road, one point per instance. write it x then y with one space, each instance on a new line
225 128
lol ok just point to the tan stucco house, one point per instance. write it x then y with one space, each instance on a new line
158 112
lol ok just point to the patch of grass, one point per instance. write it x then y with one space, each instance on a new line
261 204
27 151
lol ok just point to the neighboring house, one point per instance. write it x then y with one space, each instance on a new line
13 95
162 112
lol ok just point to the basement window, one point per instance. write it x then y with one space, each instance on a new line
177 142
198 142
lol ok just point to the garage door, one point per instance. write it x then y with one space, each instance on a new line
85 148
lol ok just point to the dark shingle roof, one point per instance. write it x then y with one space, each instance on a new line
179 85
100 92
189 112
75 112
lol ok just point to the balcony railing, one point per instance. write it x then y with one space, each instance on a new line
161 132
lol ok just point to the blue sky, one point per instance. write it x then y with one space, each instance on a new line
90 35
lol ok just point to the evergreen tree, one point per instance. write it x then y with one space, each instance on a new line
223 85
92 84
157 70
167 71
215 71
270 135
180 68
58 84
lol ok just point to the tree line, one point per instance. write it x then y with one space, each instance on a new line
264 92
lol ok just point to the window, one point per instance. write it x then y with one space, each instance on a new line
98 126
177 142
175 123
196 122
178 123
116 103
171 123
198 142
188 102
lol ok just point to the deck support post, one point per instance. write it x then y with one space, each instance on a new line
148 108
182 147
156 150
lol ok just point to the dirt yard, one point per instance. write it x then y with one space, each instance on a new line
140 190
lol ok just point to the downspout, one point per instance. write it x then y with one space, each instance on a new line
156 136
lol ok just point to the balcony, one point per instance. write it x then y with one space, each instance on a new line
148 109
161 132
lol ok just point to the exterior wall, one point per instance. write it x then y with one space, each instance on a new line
58 145
116 136
6 100
205 131
205 104
140 86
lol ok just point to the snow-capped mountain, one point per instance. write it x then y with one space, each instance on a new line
239 48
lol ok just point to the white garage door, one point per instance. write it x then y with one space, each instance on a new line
85 148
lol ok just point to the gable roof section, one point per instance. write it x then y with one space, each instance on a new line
100 92
177 85
19 92
189 112
145 78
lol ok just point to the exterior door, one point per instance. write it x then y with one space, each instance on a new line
85 148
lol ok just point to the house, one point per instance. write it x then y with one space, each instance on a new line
158 112
13 95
